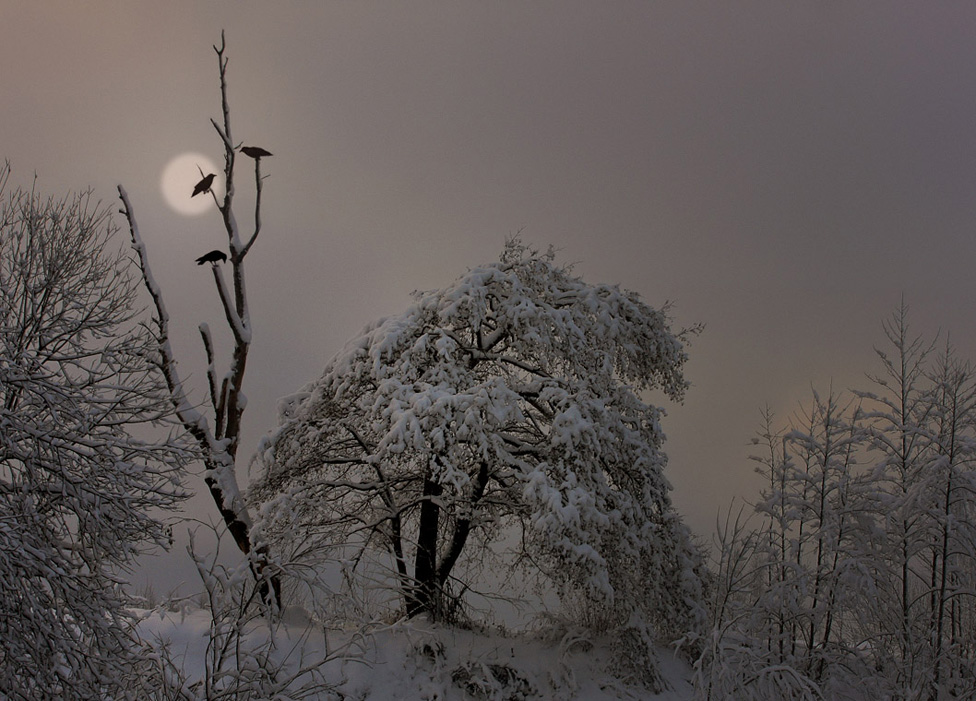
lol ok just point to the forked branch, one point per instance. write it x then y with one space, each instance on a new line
220 442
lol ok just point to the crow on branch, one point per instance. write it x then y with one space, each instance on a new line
204 185
212 257
254 151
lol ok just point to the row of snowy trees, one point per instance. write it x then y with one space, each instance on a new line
859 562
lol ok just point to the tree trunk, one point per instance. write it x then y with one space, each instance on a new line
425 594
429 575
462 529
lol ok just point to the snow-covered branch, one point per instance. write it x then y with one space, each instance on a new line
195 422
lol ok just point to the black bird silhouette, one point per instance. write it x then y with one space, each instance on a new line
212 257
255 151
203 185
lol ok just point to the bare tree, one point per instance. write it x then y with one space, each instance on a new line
219 440
82 481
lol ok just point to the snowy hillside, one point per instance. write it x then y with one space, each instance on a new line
411 661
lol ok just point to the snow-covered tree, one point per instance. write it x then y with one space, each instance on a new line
505 409
218 439
82 480
776 625
950 506
825 505
787 588
898 415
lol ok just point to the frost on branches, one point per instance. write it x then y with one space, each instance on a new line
504 412
856 579
81 481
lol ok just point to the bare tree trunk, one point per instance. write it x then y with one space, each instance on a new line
219 444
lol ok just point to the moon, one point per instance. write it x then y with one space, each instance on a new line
177 181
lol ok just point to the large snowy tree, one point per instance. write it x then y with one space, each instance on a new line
82 478
507 407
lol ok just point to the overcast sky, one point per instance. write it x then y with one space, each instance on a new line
782 172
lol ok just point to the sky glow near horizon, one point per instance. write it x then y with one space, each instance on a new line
783 173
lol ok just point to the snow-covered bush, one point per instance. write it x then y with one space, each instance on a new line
504 414
82 480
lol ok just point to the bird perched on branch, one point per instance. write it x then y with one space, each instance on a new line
204 185
255 151
212 257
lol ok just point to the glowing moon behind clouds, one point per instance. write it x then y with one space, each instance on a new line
179 177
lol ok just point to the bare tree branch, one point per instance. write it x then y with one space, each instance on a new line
220 443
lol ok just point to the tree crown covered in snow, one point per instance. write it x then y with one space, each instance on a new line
513 398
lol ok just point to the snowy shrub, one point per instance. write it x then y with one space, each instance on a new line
232 645
503 415
492 682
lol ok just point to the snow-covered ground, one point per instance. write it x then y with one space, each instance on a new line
417 661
